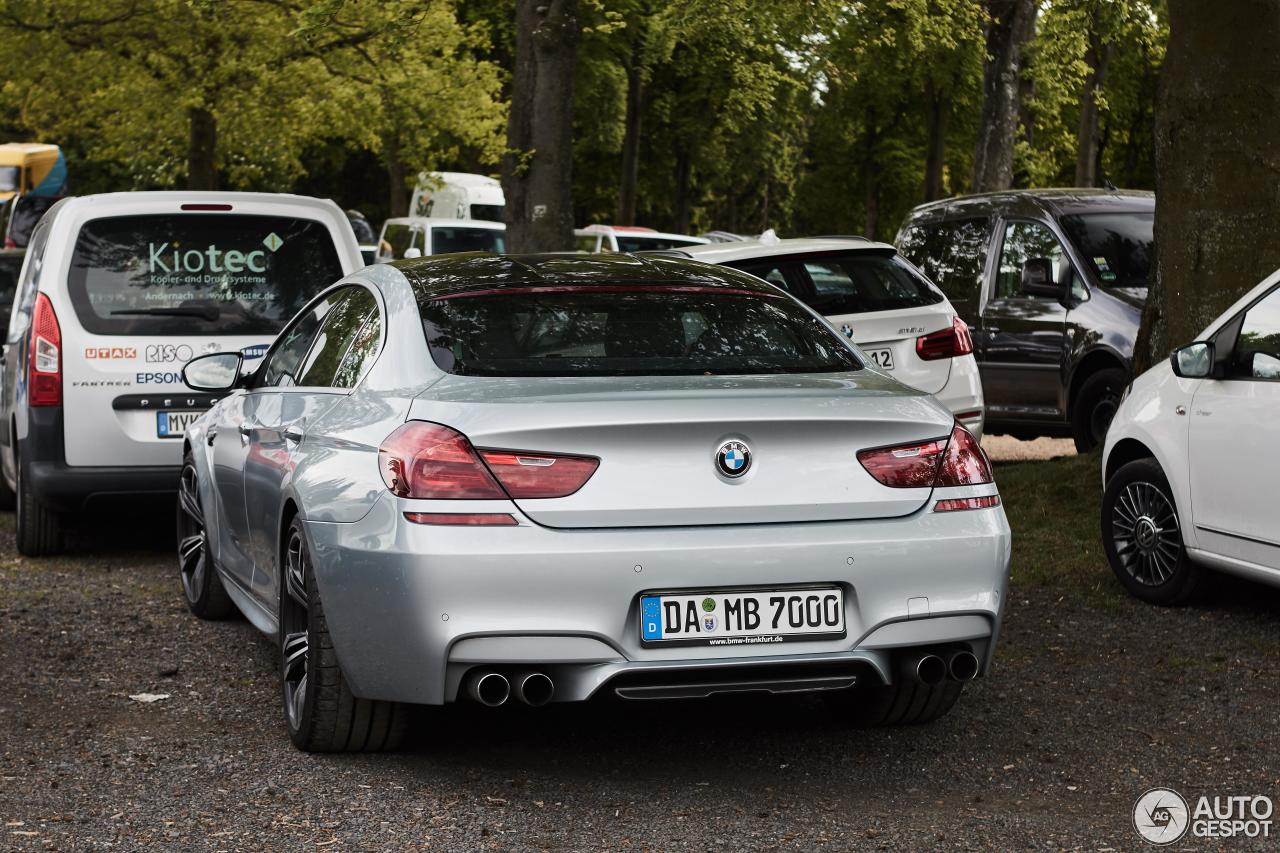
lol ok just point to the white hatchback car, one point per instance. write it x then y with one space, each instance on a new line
117 293
892 312
1190 464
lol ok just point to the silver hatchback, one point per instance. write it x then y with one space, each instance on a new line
546 478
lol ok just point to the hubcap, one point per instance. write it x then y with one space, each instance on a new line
294 629
192 561
1144 530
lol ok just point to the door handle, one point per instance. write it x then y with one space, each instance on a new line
992 331
293 433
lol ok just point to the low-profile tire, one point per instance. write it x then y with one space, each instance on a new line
1142 536
201 586
1094 407
319 710
38 529
906 702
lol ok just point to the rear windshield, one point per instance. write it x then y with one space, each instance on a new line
636 330
198 274
853 283
446 240
635 243
1118 246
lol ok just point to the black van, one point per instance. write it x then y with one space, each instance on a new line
1052 283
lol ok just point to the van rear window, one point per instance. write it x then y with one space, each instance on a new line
198 274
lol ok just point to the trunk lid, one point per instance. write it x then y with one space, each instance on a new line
896 332
657 439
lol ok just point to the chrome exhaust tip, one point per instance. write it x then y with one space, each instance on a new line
489 688
534 688
926 669
962 666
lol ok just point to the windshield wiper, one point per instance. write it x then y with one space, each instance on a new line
210 314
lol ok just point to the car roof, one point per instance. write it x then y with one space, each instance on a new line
741 250
1056 201
439 276
432 221
636 231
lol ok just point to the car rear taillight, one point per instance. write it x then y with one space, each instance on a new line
426 460
950 342
957 461
539 475
44 368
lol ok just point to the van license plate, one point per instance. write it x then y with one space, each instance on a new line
174 424
882 357
742 617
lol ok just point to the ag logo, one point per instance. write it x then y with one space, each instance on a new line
733 458
1161 816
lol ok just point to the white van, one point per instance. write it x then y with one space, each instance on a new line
412 237
457 195
116 294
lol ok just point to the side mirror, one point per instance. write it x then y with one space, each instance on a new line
1037 279
412 252
1194 361
216 372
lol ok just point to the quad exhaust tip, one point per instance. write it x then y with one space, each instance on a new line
534 688
928 670
490 689
962 666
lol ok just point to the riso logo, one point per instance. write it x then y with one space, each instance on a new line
169 257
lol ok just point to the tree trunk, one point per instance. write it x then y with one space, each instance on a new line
631 143
871 179
1217 161
1088 152
937 115
202 149
397 181
537 171
684 201
1009 27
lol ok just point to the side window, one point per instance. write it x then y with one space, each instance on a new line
395 239
1257 350
1022 242
28 283
281 366
360 357
773 272
337 334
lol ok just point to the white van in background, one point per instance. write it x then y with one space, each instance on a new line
412 237
116 294
457 195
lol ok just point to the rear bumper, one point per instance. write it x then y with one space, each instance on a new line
67 488
413 608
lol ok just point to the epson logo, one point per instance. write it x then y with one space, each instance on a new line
165 259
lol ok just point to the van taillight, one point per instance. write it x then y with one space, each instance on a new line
957 461
44 369
953 341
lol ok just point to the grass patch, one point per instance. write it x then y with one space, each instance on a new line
1053 508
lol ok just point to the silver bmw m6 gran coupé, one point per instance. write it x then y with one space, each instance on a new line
501 479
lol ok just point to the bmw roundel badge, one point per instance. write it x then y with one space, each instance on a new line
733 459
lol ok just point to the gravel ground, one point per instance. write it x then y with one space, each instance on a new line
1006 448
1086 709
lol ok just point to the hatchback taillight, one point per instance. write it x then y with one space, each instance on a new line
953 341
956 461
44 367
433 461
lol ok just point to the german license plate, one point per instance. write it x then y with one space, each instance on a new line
174 424
742 617
882 357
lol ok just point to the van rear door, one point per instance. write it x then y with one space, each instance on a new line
150 291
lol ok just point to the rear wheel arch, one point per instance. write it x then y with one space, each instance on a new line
287 514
